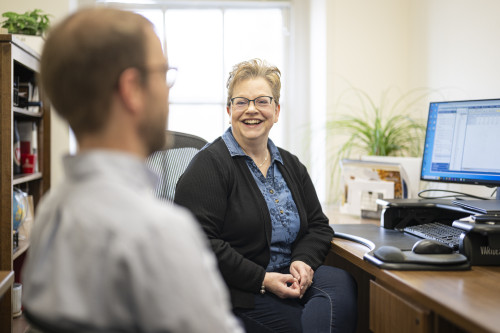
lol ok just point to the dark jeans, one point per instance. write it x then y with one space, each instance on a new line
329 305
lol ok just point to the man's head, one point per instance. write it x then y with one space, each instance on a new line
99 59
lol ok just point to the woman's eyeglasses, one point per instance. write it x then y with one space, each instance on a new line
242 103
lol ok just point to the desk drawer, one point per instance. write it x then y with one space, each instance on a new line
391 313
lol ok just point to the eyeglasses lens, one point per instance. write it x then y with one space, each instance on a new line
261 103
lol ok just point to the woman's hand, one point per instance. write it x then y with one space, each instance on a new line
282 285
303 273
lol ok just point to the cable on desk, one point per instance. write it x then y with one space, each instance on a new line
356 239
454 194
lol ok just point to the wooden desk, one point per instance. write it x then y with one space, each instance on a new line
420 301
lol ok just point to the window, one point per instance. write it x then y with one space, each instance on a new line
206 38
204 43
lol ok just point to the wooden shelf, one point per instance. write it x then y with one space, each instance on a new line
18 63
26 112
26 177
6 281
22 247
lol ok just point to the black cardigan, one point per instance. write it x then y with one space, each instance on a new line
221 192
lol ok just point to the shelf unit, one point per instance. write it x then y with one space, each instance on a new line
17 60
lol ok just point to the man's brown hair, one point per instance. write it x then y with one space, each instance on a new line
83 58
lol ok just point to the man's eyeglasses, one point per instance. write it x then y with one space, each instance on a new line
242 103
170 73
170 76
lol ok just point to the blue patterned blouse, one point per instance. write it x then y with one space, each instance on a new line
284 215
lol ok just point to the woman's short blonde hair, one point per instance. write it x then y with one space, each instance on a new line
252 69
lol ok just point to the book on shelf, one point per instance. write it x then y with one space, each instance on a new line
16 150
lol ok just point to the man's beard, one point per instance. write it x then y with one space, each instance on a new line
153 130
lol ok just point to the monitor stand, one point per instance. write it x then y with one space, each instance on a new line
491 207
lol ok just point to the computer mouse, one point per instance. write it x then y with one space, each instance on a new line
389 253
430 246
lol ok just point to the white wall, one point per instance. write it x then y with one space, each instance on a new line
368 45
462 46
461 53
449 45
59 129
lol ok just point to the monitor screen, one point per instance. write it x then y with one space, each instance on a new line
462 143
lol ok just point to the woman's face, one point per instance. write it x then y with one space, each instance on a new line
252 125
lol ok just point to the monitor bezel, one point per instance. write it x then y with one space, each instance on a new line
482 182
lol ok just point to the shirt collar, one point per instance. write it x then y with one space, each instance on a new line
115 164
235 149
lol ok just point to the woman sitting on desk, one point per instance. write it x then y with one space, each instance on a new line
259 209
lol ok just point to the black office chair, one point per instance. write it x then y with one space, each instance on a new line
171 162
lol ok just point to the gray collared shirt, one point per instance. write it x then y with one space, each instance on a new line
107 256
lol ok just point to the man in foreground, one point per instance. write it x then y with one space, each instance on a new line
105 255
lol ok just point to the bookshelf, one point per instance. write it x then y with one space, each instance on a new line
18 65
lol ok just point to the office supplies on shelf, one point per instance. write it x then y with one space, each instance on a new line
16 150
28 133
19 64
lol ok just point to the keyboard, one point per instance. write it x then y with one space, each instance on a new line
441 232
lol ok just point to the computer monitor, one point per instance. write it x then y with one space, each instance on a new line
462 145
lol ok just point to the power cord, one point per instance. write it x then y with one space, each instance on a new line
455 194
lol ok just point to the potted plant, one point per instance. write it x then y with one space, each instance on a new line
33 23
29 27
366 128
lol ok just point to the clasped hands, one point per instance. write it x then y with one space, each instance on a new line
292 285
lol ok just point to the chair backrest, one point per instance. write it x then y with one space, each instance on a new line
170 163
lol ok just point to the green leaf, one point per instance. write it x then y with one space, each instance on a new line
31 23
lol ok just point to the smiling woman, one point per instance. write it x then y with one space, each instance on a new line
259 209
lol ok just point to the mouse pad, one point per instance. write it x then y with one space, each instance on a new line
393 254
458 262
